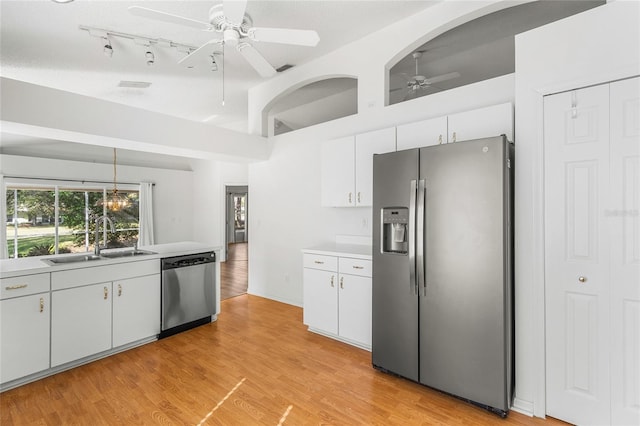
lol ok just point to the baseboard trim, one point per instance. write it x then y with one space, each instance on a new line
522 407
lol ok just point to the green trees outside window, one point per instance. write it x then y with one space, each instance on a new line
43 221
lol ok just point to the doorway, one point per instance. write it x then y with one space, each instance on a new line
234 271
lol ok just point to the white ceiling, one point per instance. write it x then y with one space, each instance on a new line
40 43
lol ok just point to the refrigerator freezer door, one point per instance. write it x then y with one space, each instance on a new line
462 317
394 302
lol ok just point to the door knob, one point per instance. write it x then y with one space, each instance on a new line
582 279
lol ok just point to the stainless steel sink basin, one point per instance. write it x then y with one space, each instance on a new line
126 253
72 259
62 260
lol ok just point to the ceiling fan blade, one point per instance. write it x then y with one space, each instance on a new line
156 15
443 77
234 10
285 36
192 58
256 60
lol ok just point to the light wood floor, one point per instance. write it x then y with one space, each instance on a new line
257 365
234 272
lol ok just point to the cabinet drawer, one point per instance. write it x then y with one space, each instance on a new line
348 265
24 285
318 261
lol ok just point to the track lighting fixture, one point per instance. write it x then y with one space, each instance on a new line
107 49
214 65
150 57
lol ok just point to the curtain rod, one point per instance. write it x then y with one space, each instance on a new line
75 180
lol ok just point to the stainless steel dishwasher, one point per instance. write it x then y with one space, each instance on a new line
188 292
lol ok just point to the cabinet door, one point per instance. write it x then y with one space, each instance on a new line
355 308
422 133
481 123
24 333
338 173
80 322
321 300
136 309
367 144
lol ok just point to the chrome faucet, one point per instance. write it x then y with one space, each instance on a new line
96 250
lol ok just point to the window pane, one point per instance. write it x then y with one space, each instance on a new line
33 224
126 222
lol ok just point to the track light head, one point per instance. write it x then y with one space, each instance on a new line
107 49
150 57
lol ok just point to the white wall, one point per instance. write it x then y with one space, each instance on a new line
209 181
597 46
173 193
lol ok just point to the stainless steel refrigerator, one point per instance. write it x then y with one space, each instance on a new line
442 268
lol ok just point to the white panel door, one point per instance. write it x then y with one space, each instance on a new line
80 322
486 122
320 300
422 133
354 317
24 329
576 132
623 216
367 144
136 309
338 173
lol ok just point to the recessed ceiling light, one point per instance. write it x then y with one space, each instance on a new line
62 1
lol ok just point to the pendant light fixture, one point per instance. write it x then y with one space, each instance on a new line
114 201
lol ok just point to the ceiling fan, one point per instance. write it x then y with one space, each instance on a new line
236 28
420 82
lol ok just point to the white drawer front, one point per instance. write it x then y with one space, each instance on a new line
24 285
353 266
317 261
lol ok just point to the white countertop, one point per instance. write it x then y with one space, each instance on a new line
35 265
359 251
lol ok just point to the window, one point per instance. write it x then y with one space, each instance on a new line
59 218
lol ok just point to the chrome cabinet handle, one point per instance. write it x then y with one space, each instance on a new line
358 267
359 197
332 281
16 286
342 282
453 137
582 279
318 262
106 293
350 201
119 290
41 304
440 140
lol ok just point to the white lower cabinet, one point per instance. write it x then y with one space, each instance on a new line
24 328
80 322
136 309
337 297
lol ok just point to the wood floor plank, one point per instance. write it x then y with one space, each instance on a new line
234 273
260 343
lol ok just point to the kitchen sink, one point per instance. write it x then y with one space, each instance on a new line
72 259
63 260
126 253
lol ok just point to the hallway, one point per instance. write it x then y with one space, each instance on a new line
234 272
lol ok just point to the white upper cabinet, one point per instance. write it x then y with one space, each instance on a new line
481 123
338 172
422 133
347 167
367 144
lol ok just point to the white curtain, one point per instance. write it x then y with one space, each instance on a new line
3 216
145 236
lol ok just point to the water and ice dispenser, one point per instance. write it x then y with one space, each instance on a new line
395 230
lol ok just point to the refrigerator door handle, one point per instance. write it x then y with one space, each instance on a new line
421 228
412 238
